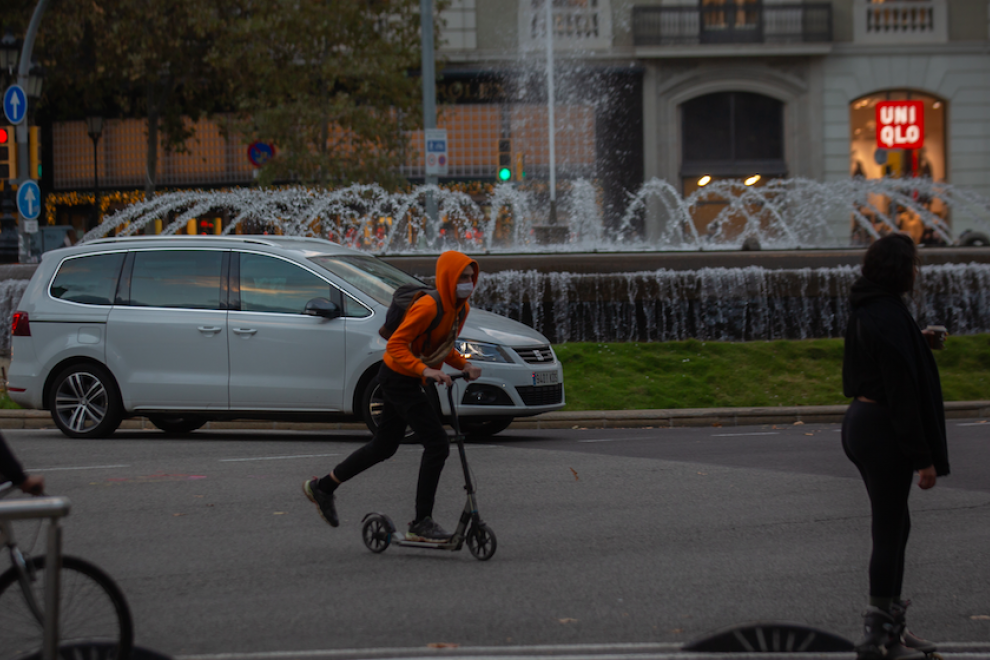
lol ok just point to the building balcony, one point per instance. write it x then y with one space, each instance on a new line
731 24
904 22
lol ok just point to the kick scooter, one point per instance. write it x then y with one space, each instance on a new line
378 530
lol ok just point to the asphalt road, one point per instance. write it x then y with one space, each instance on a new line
649 537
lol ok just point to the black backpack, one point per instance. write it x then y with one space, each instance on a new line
402 299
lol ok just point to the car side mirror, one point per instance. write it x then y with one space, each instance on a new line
323 308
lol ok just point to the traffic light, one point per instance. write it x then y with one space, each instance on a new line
504 172
520 167
34 150
8 153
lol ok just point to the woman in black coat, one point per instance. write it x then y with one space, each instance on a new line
895 426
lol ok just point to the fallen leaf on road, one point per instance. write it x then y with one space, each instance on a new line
576 477
442 645
798 423
980 617
575 426
677 631
704 474
279 513
716 425
809 433
565 620
175 515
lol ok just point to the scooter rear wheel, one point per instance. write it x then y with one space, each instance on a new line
481 542
376 534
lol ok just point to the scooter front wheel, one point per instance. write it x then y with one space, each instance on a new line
376 533
481 542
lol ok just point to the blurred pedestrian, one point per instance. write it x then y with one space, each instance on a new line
11 470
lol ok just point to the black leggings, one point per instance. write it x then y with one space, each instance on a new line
406 402
869 442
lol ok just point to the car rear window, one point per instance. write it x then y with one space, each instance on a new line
89 280
177 278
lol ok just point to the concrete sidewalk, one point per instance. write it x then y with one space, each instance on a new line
597 419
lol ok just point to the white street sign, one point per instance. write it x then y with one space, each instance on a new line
436 151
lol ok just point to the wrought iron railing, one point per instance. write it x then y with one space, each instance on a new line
732 23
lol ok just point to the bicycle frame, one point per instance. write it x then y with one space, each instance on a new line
53 508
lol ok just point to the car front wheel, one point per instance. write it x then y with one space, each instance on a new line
483 427
177 423
85 402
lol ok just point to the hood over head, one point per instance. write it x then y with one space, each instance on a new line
450 265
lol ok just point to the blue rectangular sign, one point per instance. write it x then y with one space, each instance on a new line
436 146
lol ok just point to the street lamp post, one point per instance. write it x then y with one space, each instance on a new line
94 125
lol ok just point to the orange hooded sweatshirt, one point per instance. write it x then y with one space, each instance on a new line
407 342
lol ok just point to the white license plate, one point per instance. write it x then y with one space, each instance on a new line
545 378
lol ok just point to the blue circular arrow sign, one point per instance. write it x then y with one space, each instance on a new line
15 104
29 200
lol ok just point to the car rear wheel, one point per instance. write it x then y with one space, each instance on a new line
177 423
85 402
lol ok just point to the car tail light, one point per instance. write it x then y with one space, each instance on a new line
20 326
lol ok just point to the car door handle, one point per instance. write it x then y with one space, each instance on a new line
244 331
210 329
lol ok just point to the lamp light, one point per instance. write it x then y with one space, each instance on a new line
751 180
704 181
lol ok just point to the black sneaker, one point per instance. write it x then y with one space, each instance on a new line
322 500
427 530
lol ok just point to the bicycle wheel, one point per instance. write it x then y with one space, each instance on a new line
92 610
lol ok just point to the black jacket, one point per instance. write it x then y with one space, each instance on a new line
888 360
10 467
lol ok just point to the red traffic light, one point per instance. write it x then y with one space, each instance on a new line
4 136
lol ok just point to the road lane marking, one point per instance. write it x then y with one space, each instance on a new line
642 437
736 435
273 458
972 424
84 467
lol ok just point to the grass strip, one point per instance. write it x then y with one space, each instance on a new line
697 374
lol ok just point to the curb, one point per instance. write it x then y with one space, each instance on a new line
588 419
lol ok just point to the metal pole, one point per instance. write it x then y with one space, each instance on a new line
96 181
429 104
23 157
550 103
53 578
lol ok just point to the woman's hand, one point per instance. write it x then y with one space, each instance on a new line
926 477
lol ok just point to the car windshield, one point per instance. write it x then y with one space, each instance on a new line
367 274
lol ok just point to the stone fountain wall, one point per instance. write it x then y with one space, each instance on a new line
725 296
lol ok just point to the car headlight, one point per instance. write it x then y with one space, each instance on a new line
480 351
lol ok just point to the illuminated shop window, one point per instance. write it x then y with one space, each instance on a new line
898 134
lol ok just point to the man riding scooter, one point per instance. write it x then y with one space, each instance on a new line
414 355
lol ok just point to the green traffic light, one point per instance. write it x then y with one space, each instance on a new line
504 174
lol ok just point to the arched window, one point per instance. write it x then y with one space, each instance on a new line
732 135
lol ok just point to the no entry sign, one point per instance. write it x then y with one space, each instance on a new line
900 124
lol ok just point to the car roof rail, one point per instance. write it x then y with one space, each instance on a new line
172 237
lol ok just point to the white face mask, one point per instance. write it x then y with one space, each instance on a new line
464 290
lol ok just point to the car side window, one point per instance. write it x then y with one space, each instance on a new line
177 278
354 309
89 280
273 285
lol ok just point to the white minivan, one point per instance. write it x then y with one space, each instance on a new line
184 330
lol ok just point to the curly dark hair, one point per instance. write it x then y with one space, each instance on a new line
892 262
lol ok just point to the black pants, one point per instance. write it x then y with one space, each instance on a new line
869 442
406 403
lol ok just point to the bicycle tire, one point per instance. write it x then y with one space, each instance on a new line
92 610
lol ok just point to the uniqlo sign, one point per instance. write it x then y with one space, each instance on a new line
900 124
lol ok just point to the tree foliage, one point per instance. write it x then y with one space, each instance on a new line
327 81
